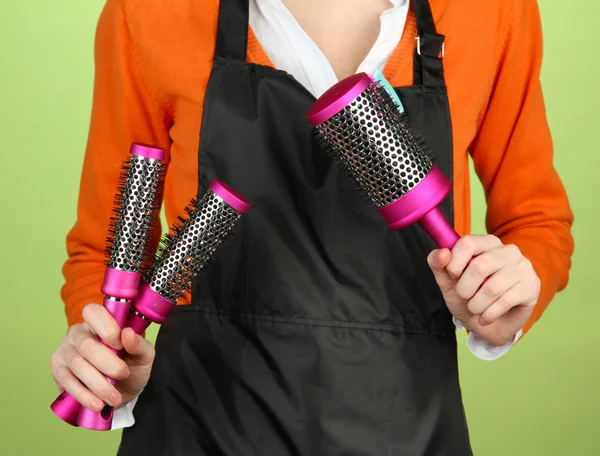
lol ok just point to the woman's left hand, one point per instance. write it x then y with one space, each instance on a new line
497 309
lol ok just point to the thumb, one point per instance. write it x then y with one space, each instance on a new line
139 349
438 260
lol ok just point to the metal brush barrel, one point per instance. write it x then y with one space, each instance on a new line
183 253
375 145
128 246
362 129
192 245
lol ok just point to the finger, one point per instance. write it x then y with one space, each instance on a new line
485 295
516 296
103 324
100 356
70 384
94 380
139 349
485 266
438 260
466 248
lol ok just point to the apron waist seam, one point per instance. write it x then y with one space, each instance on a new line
322 322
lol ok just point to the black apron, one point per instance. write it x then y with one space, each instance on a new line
318 330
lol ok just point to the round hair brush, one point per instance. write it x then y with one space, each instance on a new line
185 252
362 129
128 252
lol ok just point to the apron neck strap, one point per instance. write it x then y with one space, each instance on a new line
232 30
428 67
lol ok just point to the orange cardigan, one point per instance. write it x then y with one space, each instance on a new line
153 60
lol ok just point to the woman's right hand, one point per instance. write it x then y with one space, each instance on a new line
81 361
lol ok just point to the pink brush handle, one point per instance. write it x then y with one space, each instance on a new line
150 308
421 205
116 283
439 229
66 406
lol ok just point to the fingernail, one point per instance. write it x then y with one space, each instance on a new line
113 399
482 321
97 405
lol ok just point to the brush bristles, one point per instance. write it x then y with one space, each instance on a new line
135 215
191 245
376 146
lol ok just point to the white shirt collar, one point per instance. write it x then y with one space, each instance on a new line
290 49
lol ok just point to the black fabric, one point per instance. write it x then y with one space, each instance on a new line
317 331
426 107
232 31
428 67
426 101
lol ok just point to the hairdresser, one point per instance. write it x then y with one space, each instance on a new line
319 331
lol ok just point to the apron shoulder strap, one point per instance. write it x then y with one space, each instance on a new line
428 67
232 30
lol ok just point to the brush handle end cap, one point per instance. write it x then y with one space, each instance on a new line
230 196
146 151
96 421
338 97
66 408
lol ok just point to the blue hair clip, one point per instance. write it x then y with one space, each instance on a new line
378 76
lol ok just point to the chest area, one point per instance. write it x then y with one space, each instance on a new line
344 30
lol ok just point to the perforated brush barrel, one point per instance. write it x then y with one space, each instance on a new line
186 251
376 146
208 223
363 130
128 247
135 211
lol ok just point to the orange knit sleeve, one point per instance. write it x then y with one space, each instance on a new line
124 111
513 157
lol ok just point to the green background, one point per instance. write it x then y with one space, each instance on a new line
540 399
